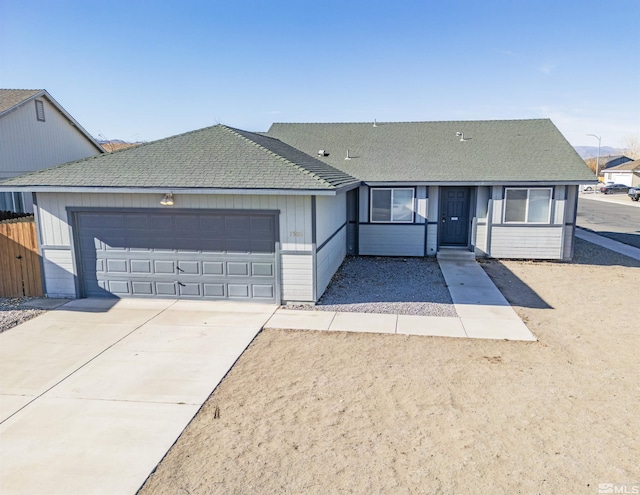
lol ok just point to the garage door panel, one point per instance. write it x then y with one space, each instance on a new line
113 221
238 290
166 289
117 266
189 289
236 223
262 269
238 246
141 288
214 290
263 291
187 223
213 268
212 226
172 254
141 266
136 222
189 267
89 221
164 267
262 225
118 287
235 269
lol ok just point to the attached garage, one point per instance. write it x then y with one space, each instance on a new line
224 254
217 214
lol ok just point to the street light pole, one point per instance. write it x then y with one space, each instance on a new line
599 138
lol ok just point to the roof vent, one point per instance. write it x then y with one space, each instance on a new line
375 123
461 136
348 157
323 153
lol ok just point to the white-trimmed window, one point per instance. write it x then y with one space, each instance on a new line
522 205
392 205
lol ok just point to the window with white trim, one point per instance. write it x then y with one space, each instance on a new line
523 205
392 205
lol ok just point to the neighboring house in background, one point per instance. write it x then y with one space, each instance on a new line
606 162
221 213
628 173
36 133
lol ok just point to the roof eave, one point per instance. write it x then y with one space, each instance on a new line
178 190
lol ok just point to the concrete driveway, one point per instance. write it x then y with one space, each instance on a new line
93 394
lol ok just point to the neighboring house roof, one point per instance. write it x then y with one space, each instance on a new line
12 99
625 167
210 158
495 151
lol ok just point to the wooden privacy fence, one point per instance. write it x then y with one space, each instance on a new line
19 259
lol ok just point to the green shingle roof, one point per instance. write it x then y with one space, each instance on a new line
493 151
213 157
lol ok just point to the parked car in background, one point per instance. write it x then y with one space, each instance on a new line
634 193
614 189
588 187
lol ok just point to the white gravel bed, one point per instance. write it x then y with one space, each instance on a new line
387 285
12 313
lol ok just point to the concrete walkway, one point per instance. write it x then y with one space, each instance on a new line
605 242
483 312
93 395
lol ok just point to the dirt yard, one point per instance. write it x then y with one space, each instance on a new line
334 413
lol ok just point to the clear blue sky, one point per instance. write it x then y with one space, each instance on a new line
142 70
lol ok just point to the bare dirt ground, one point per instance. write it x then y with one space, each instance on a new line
319 412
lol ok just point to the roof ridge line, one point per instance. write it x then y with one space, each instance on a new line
233 131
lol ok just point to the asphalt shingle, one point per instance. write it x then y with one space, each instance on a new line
213 157
492 151
9 98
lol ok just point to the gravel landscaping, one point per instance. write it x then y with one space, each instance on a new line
13 312
405 286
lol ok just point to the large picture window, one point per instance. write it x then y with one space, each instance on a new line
527 205
392 205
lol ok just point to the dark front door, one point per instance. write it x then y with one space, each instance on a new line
454 216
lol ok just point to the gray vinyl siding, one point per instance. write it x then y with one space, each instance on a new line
294 220
331 214
329 259
392 240
297 277
479 223
432 239
533 242
331 240
60 275
479 236
27 144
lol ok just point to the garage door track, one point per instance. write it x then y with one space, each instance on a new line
93 394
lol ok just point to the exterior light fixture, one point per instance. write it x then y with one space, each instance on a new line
167 200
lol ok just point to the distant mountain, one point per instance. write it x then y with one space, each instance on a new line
592 151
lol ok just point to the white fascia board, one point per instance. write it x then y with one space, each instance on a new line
474 183
174 190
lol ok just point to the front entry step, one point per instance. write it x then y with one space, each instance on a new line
453 254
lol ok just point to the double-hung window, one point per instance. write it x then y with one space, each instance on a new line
394 205
524 205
